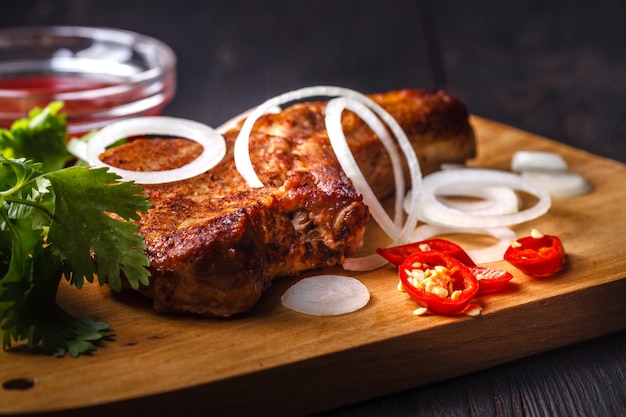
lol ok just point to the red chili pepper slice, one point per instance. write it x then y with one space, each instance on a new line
491 279
397 254
538 257
438 281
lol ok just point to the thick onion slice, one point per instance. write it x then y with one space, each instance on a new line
560 183
435 212
550 171
212 142
492 253
543 160
326 295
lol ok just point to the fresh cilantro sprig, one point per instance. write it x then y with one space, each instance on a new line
71 223
39 137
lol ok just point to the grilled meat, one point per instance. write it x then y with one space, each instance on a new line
215 244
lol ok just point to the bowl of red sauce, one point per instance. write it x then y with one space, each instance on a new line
101 74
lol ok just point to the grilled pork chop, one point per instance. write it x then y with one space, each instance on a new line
216 244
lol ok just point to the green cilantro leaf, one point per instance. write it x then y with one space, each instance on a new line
83 197
36 317
39 137
55 222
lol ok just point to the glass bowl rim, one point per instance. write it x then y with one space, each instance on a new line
162 67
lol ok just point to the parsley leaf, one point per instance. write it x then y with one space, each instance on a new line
55 223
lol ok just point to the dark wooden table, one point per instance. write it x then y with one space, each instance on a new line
555 68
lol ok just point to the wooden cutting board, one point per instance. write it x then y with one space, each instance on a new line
273 361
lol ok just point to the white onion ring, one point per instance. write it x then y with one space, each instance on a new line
334 128
338 141
243 162
435 212
364 263
493 199
335 133
326 295
242 156
212 142
234 122
244 165
78 148
492 253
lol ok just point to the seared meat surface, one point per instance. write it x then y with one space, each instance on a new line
216 244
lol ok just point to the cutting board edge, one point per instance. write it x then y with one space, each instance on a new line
299 394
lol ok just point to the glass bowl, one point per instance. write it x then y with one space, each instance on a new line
101 74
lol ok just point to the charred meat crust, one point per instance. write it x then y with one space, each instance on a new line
215 244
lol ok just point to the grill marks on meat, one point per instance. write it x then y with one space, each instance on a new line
215 244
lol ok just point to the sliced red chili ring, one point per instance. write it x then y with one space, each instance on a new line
537 256
448 295
490 279
397 254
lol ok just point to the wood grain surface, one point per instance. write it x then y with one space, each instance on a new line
555 68
292 364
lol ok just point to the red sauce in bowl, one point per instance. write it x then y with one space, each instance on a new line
101 75
50 84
